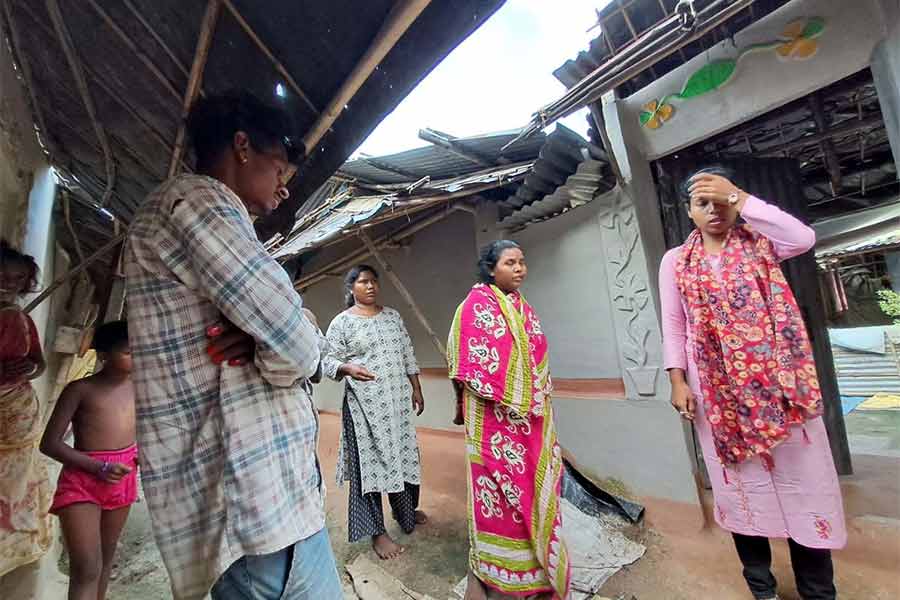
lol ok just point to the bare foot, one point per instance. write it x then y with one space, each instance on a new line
475 590
385 547
421 518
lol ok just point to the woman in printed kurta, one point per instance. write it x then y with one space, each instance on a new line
370 348
25 492
742 371
498 360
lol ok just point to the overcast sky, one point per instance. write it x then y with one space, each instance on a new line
496 78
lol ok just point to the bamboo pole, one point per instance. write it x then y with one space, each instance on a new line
265 50
410 300
398 21
25 65
201 54
75 271
68 46
124 37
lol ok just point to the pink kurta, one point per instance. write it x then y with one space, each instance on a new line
800 498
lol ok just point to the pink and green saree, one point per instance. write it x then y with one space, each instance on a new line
498 351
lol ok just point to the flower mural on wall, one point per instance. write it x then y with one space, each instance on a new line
656 113
798 41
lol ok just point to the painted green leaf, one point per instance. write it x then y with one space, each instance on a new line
814 27
708 78
645 116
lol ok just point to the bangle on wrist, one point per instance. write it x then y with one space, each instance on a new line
104 469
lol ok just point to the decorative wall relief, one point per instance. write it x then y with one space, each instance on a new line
630 292
798 41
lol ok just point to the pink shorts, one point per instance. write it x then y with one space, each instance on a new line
76 486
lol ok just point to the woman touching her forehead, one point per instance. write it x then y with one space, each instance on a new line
742 371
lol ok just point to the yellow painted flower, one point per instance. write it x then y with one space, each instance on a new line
798 40
656 113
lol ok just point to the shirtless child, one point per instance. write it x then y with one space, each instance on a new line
97 485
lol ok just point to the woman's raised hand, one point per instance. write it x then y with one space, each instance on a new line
716 189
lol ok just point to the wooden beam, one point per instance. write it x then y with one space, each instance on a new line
275 62
410 300
126 39
201 54
68 46
26 73
845 128
401 17
75 271
450 144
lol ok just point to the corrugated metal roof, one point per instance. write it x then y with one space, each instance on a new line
344 215
865 373
590 177
622 21
440 163
870 244
569 171
859 231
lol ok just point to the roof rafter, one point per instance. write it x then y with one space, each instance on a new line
96 80
201 54
162 43
120 33
65 39
265 50
401 17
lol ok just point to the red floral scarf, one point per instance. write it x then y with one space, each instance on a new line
755 363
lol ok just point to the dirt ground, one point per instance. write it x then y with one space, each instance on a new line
691 567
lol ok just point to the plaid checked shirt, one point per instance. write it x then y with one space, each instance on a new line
227 454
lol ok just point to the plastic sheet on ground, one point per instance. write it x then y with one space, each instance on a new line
597 550
371 582
861 339
591 500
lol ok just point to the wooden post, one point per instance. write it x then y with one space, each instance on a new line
389 271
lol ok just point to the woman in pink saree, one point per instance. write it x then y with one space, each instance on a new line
498 359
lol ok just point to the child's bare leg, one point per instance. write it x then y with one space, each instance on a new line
111 524
81 531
